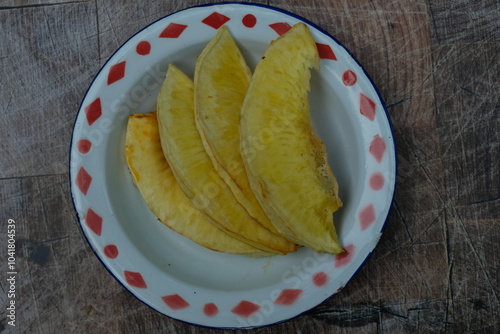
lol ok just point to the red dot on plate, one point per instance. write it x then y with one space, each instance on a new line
320 278
349 78
210 309
84 146
249 20
111 251
143 48
377 181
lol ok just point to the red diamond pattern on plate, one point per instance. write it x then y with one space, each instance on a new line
367 107
245 308
325 51
175 302
93 111
288 296
367 216
94 222
116 72
343 259
135 279
83 180
280 27
215 20
377 148
173 30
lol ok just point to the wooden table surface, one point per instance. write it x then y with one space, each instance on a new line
436 268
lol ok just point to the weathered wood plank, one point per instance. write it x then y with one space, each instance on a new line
468 108
399 289
459 21
48 56
119 20
60 283
436 64
31 3
391 39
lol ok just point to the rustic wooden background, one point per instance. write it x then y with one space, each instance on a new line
437 65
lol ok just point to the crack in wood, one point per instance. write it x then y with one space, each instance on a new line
44 5
480 265
489 200
21 177
355 315
362 314
398 102
403 220
469 91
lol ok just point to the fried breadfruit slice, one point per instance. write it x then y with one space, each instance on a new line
195 173
221 80
154 179
287 164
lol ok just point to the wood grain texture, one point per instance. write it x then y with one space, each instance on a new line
469 131
47 60
119 20
436 268
391 39
15 4
458 21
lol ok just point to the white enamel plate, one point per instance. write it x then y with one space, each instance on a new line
172 274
